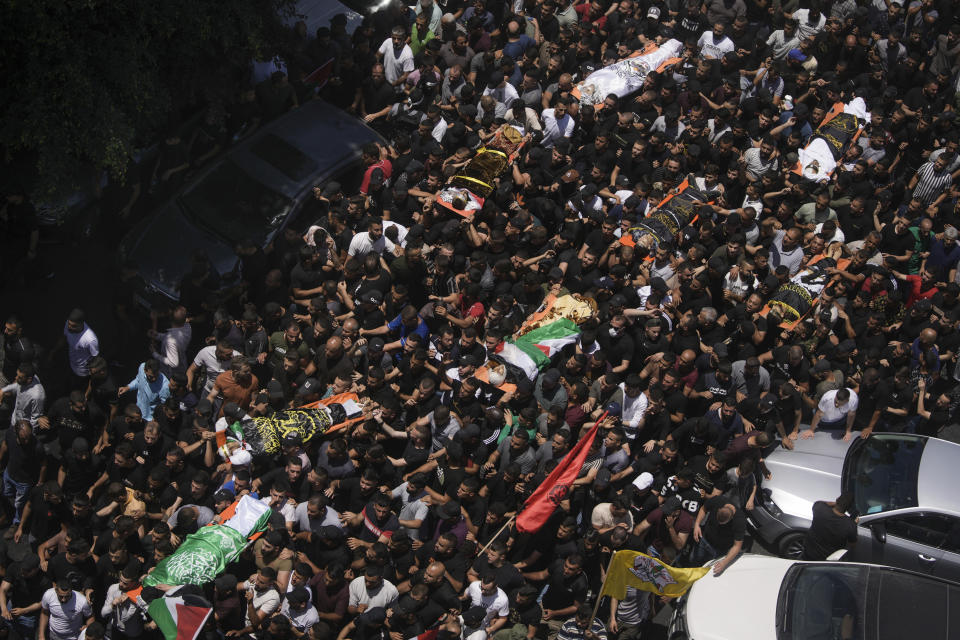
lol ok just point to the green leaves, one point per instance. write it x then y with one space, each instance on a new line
88 81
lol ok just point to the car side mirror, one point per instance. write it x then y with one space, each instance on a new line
879 531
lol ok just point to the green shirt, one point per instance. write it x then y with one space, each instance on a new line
417 44
279 348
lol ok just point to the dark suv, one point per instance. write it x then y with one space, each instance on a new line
250 193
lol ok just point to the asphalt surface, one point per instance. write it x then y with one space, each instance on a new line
72 272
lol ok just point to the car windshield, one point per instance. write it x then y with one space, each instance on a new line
881 472
234 205
822 602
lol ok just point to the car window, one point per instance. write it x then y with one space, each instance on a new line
310 210
951 541
286 158
904 598
881 473
928 529
234 205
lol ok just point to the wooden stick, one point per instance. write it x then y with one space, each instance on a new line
497 534
606 574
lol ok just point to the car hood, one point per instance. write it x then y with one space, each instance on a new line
163 244
810 472
717 609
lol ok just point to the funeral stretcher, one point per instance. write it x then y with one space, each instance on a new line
628 75
252 438
794 299
840 128
665 221
469 189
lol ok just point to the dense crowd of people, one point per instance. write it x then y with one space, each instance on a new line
401 523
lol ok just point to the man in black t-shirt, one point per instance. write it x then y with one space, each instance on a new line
682 486
73 417
80 468
566 590
23 587
718 533
525 611
831 530
26 460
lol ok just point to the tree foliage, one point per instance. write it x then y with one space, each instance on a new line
87 81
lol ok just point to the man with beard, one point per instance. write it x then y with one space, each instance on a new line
374 523
514 449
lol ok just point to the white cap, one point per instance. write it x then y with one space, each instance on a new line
643 481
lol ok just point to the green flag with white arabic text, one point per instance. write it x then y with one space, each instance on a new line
201 558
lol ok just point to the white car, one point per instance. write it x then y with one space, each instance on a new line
764 598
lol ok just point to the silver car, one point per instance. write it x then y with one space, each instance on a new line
909 511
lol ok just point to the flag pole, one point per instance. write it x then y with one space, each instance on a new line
497 534
596 605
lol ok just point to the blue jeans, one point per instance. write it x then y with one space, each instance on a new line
22 627
702 552
17 492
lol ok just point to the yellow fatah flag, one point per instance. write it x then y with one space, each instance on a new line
640 571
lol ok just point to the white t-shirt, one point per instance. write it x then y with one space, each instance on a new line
361 245
265 602
710 47
207 357
395 65
497 605
401 231
205 515
805 29
385 596
81 347
173 349
633 410
836 414
303 620
304 523
288 512
65 618
554 129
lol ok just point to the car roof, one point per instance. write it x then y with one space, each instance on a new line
938 465
323 134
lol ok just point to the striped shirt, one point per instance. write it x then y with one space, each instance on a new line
930 183
572 631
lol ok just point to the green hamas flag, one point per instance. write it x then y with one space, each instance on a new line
201 557
205 554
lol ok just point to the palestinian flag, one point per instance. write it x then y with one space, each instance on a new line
522 359
550 339
532 351
180 617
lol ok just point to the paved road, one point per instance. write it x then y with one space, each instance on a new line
78 274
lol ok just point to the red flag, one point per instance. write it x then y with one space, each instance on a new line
540 506
321 74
